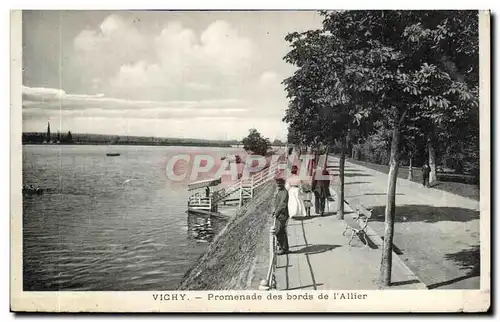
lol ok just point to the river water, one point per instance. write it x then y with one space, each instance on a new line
108 223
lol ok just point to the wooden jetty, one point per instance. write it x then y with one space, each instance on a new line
201 198
208 198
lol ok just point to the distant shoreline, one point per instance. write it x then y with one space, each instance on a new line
201 145
41 138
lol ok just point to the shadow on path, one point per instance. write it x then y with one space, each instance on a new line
428 214
302 287
381 194
336 168
313 216
356 182
307 256
371 244
363 239
370 194
405 282
315 249
356 175
394 247
467 259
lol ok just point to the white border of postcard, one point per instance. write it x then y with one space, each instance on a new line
374 301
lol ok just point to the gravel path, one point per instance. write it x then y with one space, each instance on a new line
436 232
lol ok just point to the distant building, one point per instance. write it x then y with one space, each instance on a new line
48 132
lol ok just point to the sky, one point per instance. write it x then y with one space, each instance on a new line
197 74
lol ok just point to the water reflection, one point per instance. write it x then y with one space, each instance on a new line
202 228
105 224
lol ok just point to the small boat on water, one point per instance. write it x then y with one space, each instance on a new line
112 154
31 190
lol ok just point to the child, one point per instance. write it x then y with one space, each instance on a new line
307 197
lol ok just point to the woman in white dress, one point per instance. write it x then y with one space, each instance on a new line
296 207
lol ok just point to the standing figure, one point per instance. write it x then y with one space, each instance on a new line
321 189
425 175
281 215
296 206
307 198
312 166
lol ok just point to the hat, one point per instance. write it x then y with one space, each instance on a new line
279 180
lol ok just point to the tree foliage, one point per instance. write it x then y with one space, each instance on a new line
256 143
277 142
392 79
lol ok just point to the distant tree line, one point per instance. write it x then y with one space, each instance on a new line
101 139
42 137
459 154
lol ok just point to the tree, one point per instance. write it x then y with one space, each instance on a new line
413 141
292 136
319 110
365 66
277 142
69 137
450 40
256 143
409 61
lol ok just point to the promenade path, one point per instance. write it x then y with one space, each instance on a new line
436 237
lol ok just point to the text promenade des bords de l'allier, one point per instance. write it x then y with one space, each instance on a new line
308 296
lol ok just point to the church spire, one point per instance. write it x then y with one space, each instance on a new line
48 131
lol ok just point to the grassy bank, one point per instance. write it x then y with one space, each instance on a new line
231 260
461 189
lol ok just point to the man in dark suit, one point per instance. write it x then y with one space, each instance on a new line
321 189
281 216
425 175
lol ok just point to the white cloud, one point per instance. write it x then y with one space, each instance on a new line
112 24
139 65
144 65
41 101
98 114
98 53
138 75
171 68
222 46
269 77
41 93
115 35
199 86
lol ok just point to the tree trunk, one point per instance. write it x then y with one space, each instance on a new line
410 168
326 156
432 161
390 208
340 201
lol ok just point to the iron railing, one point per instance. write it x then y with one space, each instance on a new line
269 283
